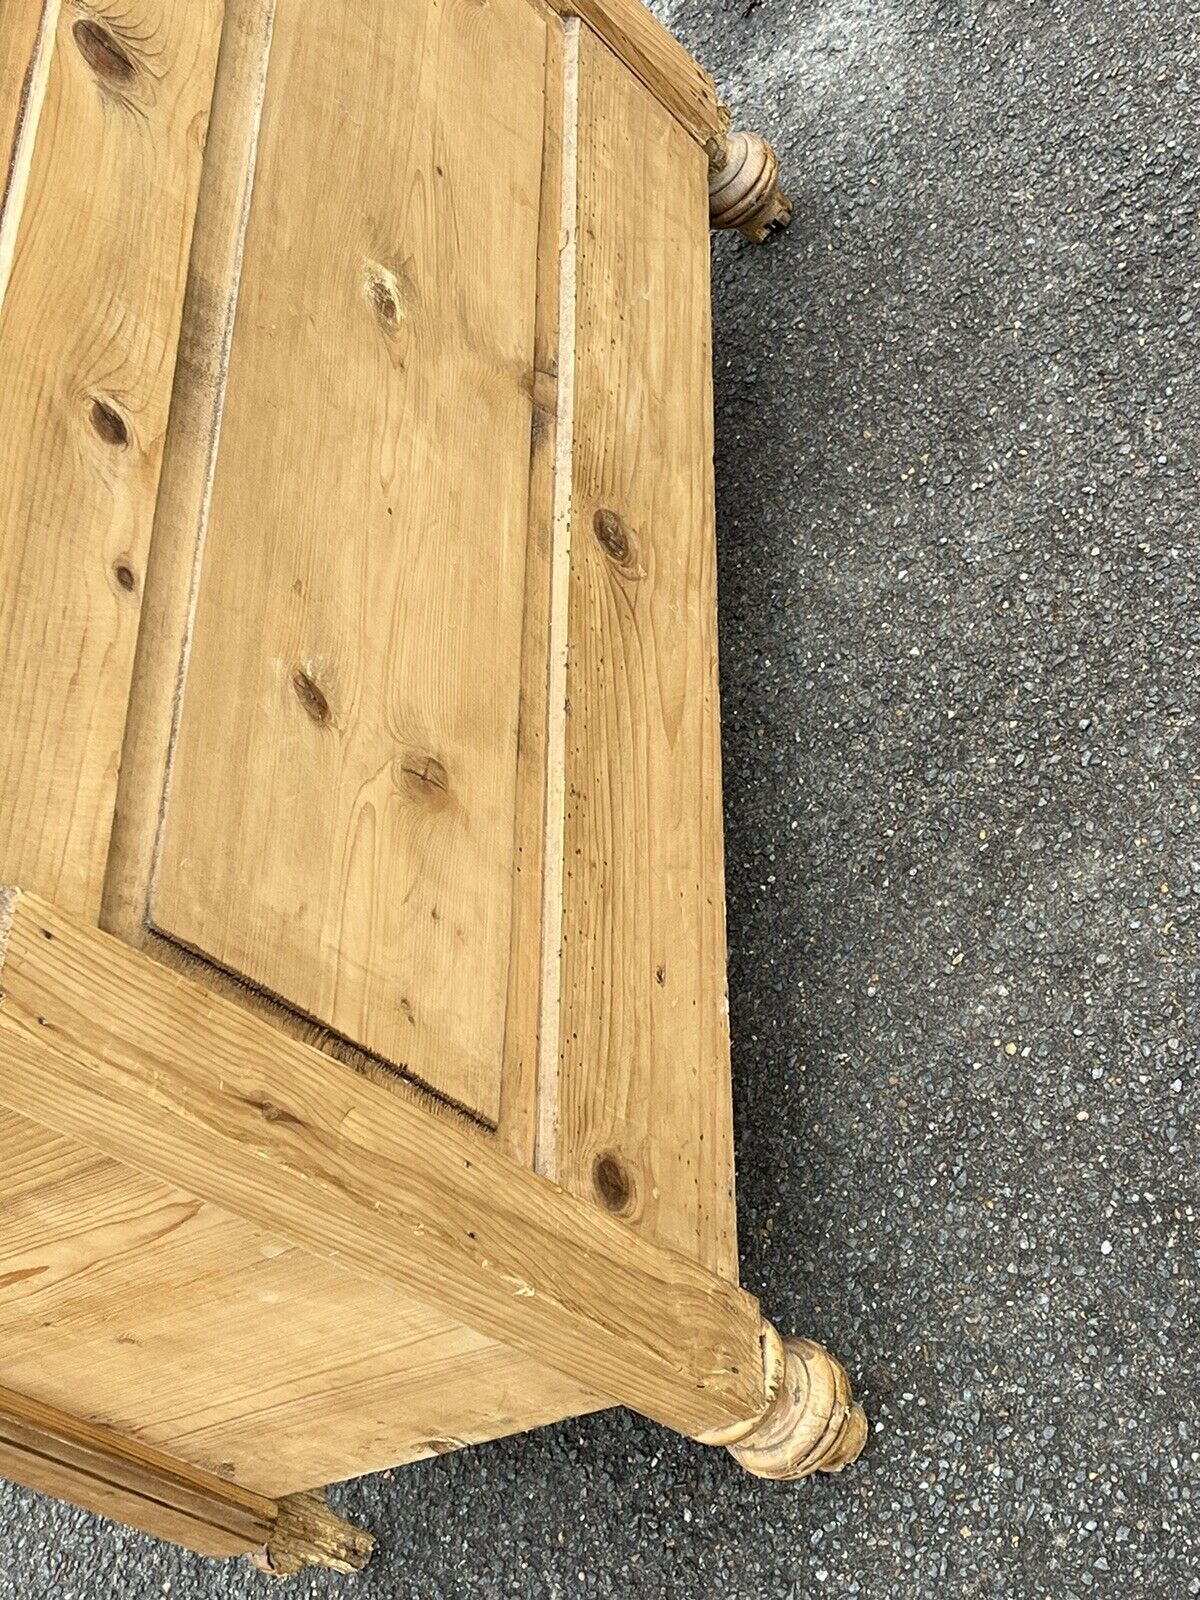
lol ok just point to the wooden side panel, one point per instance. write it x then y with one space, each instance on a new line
342 815
142 1309
93 252
643 1114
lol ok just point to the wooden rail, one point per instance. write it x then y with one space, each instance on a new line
100 1042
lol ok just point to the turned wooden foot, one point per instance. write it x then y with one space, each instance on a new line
743 187
811 1423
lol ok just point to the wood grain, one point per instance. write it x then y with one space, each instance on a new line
107 1047
88 331
643 1115
342 815
143 1309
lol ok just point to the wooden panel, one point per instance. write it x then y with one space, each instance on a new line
643 1117
207 327
342 814
115 1477
146 1310
657 58
97 228
108 1047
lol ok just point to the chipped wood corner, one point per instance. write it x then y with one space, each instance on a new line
811 1421
9 895
716 145
308 1534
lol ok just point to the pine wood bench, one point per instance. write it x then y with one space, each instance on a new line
364 1055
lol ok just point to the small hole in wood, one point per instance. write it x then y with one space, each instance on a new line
612 1183
102 52
310 696
109 424
125 576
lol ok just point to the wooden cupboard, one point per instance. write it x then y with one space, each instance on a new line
364 1056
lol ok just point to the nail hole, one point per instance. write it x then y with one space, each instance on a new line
612 1183
310 696
125 576
109 424
102 52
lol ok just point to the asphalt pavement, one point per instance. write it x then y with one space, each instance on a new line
957 413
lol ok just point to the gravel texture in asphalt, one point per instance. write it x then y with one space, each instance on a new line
957 412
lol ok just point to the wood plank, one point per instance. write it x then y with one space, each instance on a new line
107 1047
643 1109
342 820
59 1454
140 1308
655 56
88 331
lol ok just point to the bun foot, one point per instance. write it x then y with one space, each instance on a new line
812 1422
743 187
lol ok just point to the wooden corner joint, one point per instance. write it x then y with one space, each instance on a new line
811 1421
308 1534
743 186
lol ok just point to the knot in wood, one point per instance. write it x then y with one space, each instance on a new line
108 423
102 52
613 537
612 1183
310 696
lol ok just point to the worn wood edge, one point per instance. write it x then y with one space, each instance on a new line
9 895
29 111
112 1475
101 1043
550 1010
104 1472
654 55
308 1534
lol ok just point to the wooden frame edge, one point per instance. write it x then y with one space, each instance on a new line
104 1472
101 1043
653 54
